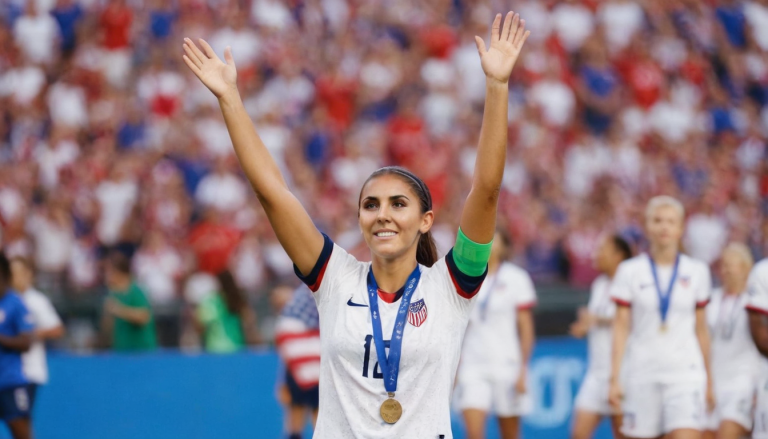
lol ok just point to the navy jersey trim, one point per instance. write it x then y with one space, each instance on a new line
466 286
315 277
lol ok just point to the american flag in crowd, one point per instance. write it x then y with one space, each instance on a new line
417 313
297 335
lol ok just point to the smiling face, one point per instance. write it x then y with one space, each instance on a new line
664 226
391 217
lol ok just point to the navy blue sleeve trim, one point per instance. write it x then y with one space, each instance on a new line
315 277
466 286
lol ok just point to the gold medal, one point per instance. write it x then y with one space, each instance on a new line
663 328
391 410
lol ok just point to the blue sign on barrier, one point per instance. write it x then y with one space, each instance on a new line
171 395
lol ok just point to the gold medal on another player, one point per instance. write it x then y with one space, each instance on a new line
391 410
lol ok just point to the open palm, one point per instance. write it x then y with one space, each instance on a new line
506 44
218 76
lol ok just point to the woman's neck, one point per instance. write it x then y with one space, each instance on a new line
392 274
664 255
734 287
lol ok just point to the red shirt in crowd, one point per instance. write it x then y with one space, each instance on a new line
213 244
116 22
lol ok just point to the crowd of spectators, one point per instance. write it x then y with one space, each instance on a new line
107 142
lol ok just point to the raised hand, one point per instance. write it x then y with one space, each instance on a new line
506 44
218 76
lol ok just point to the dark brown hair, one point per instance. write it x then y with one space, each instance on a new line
426 252
234 299
622 246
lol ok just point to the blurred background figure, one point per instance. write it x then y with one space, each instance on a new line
225 319
48 325
127 321
297 336
596 323
16 334
735 360
493 372
660 373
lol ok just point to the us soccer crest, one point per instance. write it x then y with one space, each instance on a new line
417 313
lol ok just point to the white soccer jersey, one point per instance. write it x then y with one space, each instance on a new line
45 317
600 337
351 382
654 355
757 301
492 342
734 355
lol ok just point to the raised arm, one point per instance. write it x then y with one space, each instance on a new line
292 224
478 220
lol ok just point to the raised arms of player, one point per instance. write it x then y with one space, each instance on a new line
478 220
293 226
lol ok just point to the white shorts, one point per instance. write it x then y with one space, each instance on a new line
491 394
760 430
593 395
734 402
652 409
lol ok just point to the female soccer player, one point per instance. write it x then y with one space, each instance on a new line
757 306
735 360
661 325
404 299
596 323
497 347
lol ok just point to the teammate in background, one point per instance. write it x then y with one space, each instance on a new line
47 325
15 338
596 322
225 319
757 306
127 317
735 359
362 303
497 347
661 325
297 335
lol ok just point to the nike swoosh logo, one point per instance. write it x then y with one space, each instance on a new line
351 303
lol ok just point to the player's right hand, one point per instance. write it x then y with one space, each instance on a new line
218 76
615 395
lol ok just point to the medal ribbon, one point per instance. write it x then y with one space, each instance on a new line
664 299
390 365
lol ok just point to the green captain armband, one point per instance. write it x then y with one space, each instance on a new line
470 257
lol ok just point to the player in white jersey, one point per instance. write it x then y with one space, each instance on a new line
735 359
497 347
757 306
47 323
596 322
391 329
660 356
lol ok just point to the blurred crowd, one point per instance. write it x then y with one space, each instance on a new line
108 143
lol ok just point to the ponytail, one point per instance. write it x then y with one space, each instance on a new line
426 251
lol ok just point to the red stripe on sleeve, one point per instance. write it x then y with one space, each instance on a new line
757 310
460 291
702 304
621 302
316 286
528 305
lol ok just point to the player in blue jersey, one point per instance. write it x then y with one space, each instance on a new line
15 338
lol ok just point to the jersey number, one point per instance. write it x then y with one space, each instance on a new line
367 358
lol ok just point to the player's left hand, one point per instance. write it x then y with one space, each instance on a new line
520 385
506 44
